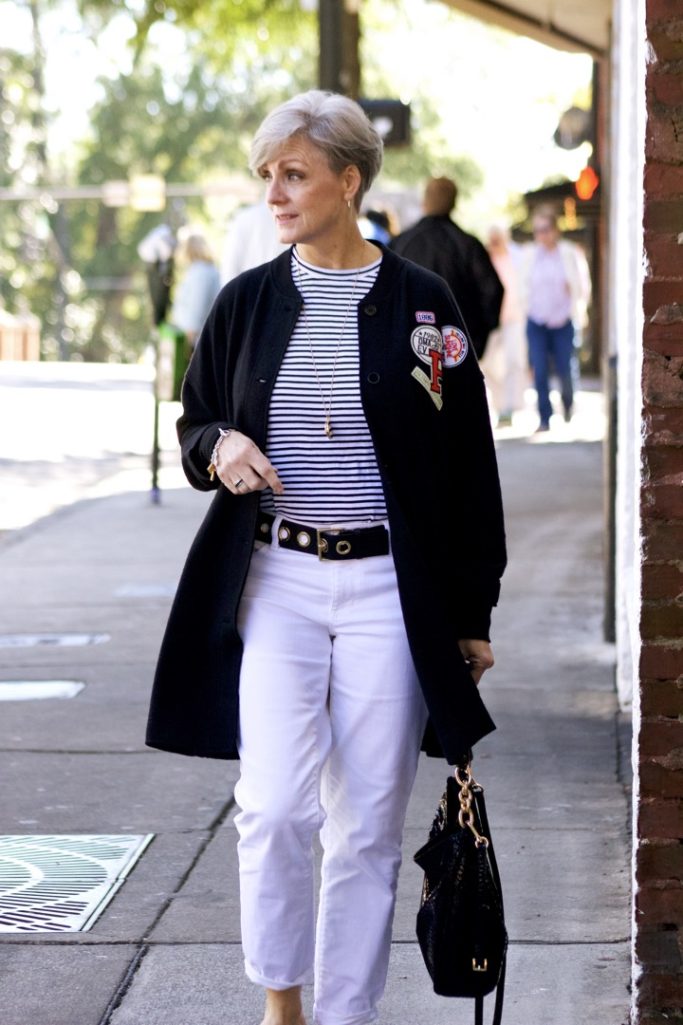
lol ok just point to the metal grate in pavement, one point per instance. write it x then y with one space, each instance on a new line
62 883
51 640
38 690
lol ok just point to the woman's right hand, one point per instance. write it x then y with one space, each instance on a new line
242 467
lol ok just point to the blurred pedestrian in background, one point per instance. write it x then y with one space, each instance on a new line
158 249
197 288
192 298
333 401
505 363
555 286
437 243
251 240
375 225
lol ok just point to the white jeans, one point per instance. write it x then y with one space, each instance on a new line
331 718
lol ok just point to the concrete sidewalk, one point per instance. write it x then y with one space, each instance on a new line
166 949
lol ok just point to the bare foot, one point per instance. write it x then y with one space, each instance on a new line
283 1007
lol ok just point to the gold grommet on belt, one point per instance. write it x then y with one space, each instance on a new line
342 547
322 545
303 539
283 533
264 528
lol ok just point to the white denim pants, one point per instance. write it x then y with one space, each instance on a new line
331 719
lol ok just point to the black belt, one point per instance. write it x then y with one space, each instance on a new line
330 544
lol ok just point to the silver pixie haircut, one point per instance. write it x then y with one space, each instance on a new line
335 124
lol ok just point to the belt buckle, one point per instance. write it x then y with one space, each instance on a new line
341 547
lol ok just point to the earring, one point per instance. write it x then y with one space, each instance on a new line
348 203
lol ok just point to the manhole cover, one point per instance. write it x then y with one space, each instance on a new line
62 883
38 690
51 640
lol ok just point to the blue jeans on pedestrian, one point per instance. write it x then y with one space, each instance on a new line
552 346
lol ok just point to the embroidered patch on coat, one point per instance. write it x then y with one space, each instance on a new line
431 384
455 345
425 341
424 317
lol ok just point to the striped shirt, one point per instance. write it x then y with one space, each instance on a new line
326 480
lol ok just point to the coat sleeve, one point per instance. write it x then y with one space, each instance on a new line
454 516
205 396
475 548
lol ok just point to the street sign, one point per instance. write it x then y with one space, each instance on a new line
147 192
391 118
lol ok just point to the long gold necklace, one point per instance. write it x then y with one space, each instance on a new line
327 405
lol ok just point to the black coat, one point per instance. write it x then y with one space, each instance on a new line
431 430
438 244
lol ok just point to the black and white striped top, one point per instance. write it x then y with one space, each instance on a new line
326 480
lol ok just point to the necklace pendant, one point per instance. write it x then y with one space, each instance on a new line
328 427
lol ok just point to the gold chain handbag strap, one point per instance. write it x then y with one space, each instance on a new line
467 820
466 817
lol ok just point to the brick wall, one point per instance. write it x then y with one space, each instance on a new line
659 822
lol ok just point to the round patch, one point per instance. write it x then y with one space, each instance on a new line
455 345
426 340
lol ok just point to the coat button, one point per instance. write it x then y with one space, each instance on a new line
373 377
261 380
370 310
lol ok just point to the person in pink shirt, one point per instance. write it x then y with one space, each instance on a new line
555 291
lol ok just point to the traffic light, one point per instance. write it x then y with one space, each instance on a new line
587 183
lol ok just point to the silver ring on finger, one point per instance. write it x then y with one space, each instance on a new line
238 483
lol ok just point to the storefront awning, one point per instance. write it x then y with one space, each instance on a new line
581 25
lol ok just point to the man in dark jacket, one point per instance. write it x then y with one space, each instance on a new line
438 244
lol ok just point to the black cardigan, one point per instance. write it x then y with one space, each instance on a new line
431 430
440 245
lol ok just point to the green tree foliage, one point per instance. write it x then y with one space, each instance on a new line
75 264
34 254
184 126
187 125
220 29
429 154
189 119
18 229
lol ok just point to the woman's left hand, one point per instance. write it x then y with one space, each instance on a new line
478 656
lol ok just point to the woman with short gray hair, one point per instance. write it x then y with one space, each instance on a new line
338 129
334 610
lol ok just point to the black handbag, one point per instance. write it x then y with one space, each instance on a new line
461 921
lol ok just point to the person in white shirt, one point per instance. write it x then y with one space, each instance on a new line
505 363
252 240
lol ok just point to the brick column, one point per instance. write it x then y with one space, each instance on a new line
658 996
